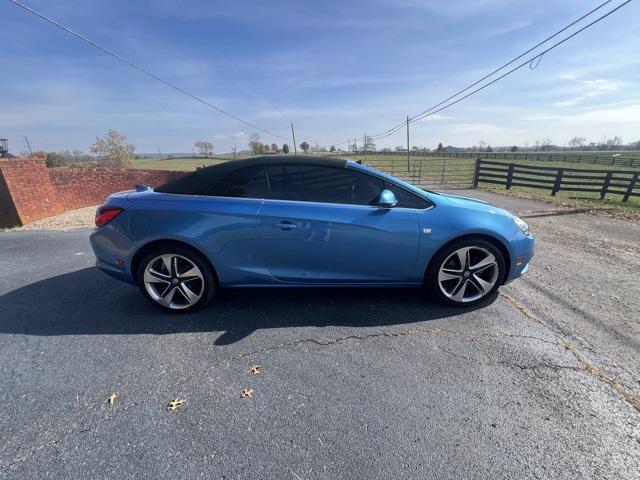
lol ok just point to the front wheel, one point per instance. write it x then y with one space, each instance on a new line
176 279
466 272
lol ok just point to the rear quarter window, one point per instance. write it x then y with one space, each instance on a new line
250 182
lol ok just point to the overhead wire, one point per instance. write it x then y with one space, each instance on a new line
145 71
431 109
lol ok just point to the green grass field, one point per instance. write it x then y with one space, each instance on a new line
183 164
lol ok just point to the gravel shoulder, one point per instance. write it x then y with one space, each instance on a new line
79 219
583 281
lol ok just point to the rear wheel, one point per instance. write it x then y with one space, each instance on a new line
176 279
466 272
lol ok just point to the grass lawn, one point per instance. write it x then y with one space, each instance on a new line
186 164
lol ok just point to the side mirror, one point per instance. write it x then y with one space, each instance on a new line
387 199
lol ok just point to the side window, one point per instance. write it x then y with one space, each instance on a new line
323 184
250 182
405 198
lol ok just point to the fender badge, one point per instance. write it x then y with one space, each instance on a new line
426 231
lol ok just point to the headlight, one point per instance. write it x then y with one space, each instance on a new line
522 225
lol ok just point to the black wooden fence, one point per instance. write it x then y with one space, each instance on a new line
626 159
600 182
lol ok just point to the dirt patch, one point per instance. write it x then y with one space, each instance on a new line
81 218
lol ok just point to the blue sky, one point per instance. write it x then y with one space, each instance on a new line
334 68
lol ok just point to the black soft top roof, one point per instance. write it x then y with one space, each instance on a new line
201 181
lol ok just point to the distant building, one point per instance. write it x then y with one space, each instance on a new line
4 149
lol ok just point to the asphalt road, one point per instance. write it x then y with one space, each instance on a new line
541 383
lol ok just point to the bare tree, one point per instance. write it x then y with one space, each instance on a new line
113 150
235 149
615 142
577 142
369 145
257 147
274 148
206 148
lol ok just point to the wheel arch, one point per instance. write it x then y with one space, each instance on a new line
154 244
498 243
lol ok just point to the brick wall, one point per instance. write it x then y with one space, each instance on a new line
81 187
30 191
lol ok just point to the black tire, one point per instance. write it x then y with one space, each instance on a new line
203 284
471 281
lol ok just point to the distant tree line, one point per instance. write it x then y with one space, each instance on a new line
111 151
615 143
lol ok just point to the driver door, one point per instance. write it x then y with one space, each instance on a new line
321 225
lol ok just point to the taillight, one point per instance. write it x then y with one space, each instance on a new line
106 213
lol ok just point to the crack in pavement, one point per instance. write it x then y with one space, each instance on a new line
538 366
595 371
72 433
65 436
560 341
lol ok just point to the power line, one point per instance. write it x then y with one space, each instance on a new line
426 113
526 62
143 70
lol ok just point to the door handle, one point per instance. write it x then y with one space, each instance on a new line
286 225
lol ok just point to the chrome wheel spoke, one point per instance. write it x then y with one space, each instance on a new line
190 295
458 292
484 263
190 274
166 260
483 285
445 275
167 298
482 269
154 276
463 258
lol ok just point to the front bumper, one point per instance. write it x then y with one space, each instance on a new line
523 251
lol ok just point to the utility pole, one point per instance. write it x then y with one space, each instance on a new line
408 162
316 146
355 146
348 145
365 147
293 134
28 146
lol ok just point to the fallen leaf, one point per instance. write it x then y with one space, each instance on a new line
246 393
175 404
111 398
255 369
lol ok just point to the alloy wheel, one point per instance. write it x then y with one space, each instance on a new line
468 274
174 281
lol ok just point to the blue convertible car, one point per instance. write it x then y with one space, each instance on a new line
298 221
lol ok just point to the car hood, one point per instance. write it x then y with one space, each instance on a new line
469 203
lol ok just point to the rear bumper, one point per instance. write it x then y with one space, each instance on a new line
107 254
115 272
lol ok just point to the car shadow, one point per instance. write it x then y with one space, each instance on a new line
87 302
